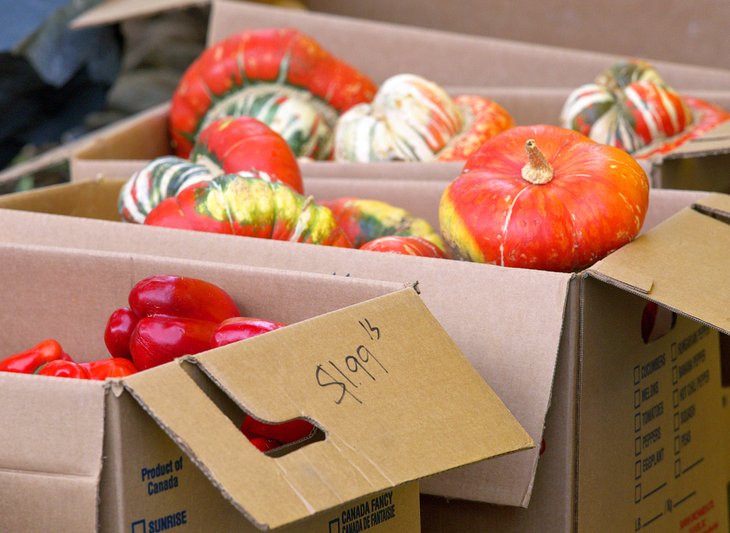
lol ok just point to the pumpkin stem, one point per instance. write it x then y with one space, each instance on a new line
537 170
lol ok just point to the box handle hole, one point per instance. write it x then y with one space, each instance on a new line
656 321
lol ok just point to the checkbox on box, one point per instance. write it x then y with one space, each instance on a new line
637 398
637 470
637 375
637 422
677 468
675 398
637 446
637 493
139 526
674 351
675 375
676 445
676 421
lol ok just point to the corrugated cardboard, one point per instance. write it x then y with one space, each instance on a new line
531 82
446 287
672 30
162 447
519 362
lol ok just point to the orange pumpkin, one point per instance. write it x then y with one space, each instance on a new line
544 197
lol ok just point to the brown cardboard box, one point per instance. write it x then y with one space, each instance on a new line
537 337
671 30
162 449
531 82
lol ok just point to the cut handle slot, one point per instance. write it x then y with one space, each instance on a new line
274 439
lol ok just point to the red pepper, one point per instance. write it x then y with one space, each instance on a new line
116 367
241 327
159 339
265 444
168 316
63 369
290 431
181 297
119 330
28 361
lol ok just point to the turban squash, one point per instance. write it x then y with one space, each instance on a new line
228 145
280 76
413 119
629 106
235 204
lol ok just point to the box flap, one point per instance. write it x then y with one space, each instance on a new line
681 263
393 394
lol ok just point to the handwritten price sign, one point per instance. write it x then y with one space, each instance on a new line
353 370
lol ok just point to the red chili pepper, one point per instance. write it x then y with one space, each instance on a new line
159 339
116 367
241 327
119 330
28 361
182 297
63 369
290 431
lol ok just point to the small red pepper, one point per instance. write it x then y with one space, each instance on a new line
167 317
28 361
181 297
119 330
287 432
239 328
116 367
265 444
160 339
63 369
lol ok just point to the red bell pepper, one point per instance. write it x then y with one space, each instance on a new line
160 339
240 328
116 367
63 369
28 361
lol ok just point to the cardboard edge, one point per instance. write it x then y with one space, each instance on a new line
646 295
716 206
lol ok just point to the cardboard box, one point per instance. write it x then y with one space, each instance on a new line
162 448
700 164
538 370
383 49
671 30
531 82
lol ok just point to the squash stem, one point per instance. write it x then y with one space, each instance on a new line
537 170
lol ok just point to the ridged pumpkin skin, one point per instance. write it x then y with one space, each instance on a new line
595 202
244 144
630 107
159 179
280 76
414 119
364 220
239 205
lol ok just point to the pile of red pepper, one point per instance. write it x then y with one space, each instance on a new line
167 317
48 358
